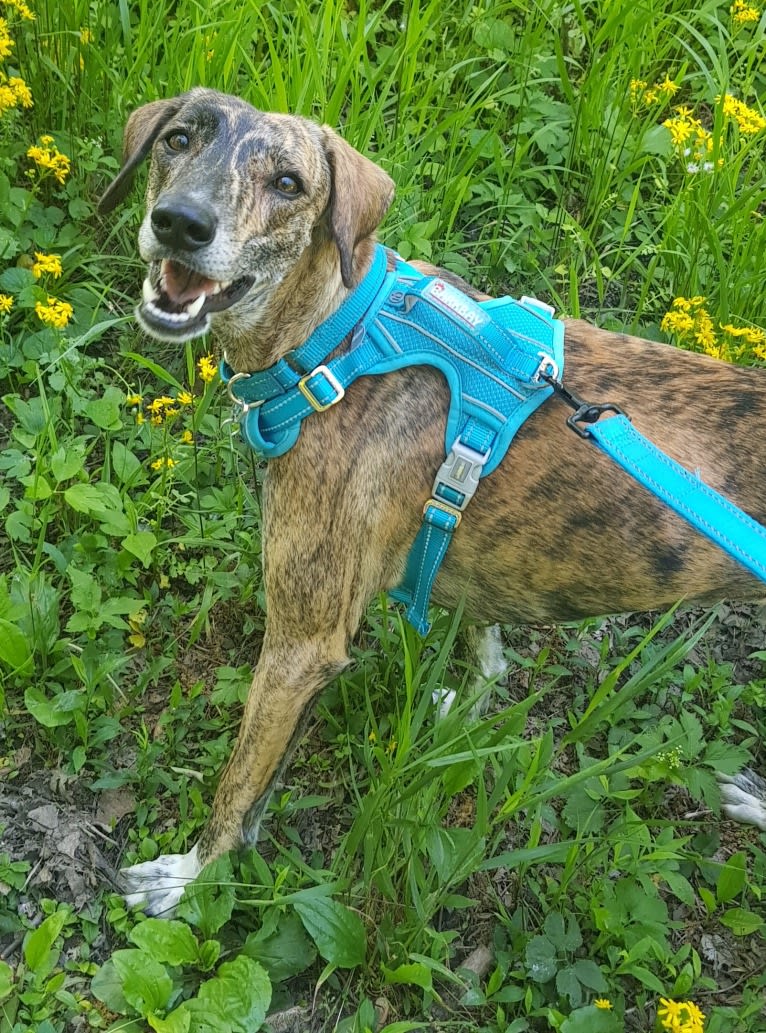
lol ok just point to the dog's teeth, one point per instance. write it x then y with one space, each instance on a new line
149 293
195 307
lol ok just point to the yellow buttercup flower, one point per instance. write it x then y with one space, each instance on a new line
604 1003
185 398
187 438
46 264
55 313
6 303
748 119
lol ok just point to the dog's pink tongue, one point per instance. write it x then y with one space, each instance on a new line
182 284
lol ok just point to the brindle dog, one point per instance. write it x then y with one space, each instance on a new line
258 226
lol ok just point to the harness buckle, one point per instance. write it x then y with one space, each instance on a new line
316 403
459 473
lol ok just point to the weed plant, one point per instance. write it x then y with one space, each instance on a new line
606 156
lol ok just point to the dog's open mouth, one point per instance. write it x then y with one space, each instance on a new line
179 305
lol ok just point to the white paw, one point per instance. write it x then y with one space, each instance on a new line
743 797
160 884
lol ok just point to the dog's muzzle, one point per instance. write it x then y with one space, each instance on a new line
179 306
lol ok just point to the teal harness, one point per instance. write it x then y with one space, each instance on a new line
502 359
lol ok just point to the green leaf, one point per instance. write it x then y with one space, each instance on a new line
14 648
126 465
38 952
338 932
742 922
285 952
568 985
592 1020
540 959
6 980
106 412
44 710
106 985
66 463
169 942
145 983
415 974
141 545
562 937
209 901
732 879
235 1000
590 975
178 1021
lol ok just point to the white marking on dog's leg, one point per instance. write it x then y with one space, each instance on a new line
743 797
160 884
485 649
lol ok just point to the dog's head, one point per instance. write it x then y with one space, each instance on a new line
235 197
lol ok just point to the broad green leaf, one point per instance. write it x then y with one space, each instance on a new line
540 959
338 932
732 879
235 1000
65 463
44 710
38 952
169 942
141 545
105 412
283 953
209 901
590 975
126 465
106 985
145 983
742 922
14 648
568 985
178 1021
592 1020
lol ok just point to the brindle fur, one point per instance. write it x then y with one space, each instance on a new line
557 533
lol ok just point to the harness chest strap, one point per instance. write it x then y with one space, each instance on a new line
502 359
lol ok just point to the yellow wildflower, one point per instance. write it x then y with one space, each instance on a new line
6 304
637 89
603 1003
6 43
86 36
748 119
164 463
742 12
185 398
46 264
21 7
55 313
680 1016
207 369
48 158
187 438
667 86
133 400
21 91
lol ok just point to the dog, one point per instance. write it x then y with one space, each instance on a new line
258 226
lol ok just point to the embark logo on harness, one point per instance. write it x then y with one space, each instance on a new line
502 359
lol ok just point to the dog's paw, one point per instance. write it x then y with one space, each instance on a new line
743 797
160 884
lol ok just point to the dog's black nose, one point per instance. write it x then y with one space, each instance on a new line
182 225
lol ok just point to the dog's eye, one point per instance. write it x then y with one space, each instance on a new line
287 185
177 141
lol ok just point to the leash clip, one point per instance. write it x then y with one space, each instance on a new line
588 413
235 399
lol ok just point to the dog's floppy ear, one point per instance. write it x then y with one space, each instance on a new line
359 198
143 128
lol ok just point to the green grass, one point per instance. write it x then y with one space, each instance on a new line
566 830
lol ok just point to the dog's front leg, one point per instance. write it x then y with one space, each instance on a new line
286 680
